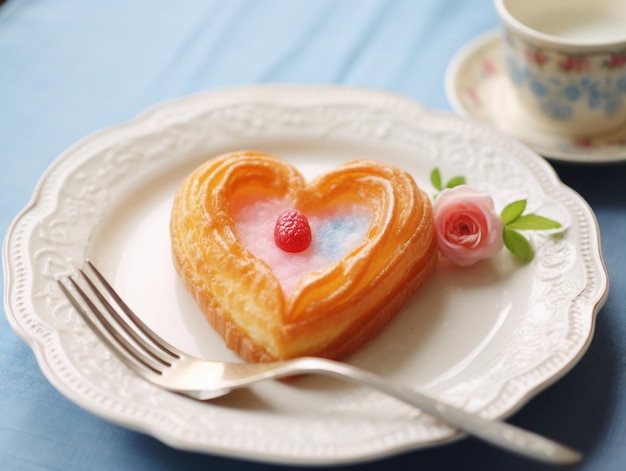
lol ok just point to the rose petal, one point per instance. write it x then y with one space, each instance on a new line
468 227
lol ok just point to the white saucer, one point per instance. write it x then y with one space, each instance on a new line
477 85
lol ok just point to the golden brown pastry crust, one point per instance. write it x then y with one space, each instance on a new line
331 312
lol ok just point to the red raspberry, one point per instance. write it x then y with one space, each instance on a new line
292 232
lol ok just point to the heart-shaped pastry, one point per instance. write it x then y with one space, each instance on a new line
346 292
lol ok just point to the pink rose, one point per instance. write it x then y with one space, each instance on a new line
468 227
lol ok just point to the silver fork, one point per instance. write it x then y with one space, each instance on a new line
160 363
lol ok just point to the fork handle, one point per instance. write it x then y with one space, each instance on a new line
495 432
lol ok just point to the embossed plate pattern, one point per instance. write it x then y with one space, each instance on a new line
485 338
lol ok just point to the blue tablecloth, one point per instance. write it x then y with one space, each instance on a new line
70 67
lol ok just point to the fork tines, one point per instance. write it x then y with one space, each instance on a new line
115 323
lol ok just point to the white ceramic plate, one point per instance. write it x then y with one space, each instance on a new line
477 85
485 338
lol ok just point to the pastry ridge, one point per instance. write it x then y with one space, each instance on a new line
331 312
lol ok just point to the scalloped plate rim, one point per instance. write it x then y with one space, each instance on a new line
393 102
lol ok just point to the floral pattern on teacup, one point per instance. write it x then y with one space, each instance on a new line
574 63
563 83
615 61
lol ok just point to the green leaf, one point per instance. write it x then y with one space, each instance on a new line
518 244
435 179
512 211
533 222
456 181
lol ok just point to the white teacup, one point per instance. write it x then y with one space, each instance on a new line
567 62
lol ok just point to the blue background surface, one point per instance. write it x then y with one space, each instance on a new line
71 67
